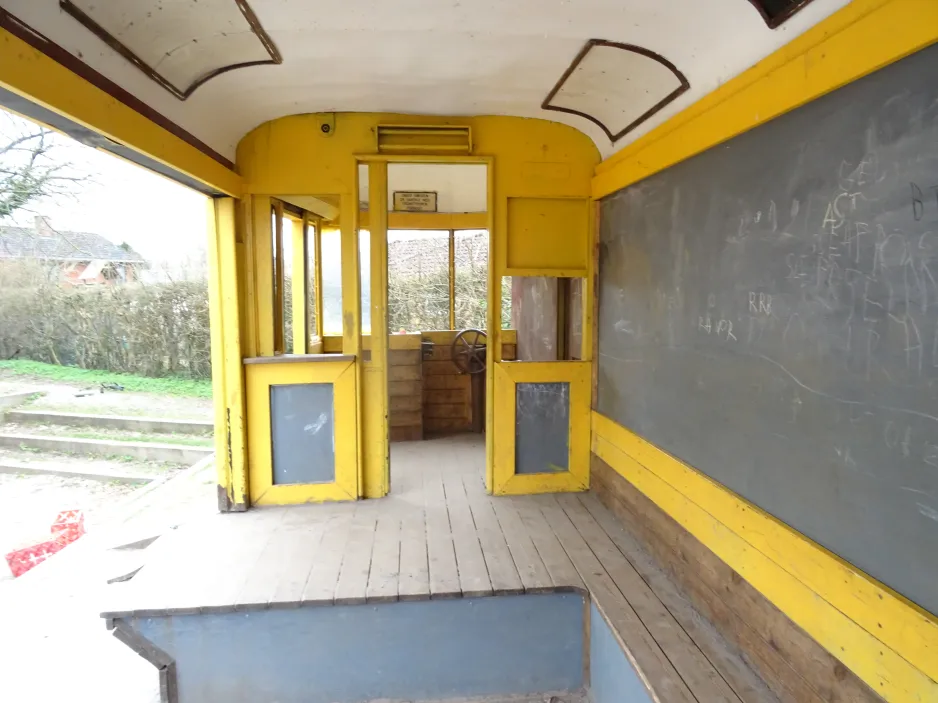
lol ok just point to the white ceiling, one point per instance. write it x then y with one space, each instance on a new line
451 57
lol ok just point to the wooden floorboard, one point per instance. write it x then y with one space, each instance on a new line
690 663
324 574
642 645
441 555
473 573
438 535
385 559
738 675
352 586
560 569
503 569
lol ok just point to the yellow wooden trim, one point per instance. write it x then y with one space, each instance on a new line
493 314
424 158
588 297
549 273
507 376
227 390
404 341
248 280
375 397
888 642
36 77
429 220
263 255
278 278
317 243
860 38
216 323
452 279
298 288
259 379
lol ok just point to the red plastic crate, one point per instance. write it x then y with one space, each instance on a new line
68 526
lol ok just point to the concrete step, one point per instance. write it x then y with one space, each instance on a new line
145 451
152 425
66 471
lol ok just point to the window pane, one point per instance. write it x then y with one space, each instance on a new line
311 282
287 282
472 267
331 282
506 302
364 267
418 281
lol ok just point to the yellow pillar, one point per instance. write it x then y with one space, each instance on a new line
227 377
352 304
375 375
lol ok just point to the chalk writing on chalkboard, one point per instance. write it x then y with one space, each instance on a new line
768 313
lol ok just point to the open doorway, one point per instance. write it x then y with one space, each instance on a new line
436 280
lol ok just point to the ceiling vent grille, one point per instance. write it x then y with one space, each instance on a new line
424 139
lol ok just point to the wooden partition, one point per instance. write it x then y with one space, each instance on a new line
447 393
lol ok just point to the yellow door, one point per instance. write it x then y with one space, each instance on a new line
301 430
541 423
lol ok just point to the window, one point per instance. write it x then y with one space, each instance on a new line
471 268
418 281
331 282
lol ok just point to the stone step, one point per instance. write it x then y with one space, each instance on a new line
154 425
146 451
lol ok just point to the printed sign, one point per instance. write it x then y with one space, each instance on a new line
414 201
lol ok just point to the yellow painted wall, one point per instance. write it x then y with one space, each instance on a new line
532 158
889 642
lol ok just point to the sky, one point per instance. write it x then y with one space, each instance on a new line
161 219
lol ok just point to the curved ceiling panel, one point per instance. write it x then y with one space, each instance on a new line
617 86
443 57
180 44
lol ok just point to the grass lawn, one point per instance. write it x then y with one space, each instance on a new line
170 385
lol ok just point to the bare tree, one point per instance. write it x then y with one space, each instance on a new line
30 167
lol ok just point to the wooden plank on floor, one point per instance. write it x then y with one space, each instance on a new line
534 575
704 681
559 567
503 573
473 573
385 558
744 681
782 653
414 574
262 578
324 575
654 664
441 554
352 586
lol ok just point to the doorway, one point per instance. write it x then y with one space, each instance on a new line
429 260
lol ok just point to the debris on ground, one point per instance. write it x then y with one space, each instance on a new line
67 527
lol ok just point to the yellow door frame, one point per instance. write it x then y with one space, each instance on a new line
259 378
508 375
377 468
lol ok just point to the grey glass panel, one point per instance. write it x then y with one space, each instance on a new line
302 433
542 428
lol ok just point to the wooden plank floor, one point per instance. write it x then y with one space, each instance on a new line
438 535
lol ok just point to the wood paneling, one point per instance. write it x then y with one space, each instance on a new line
404 373
405 388
792 664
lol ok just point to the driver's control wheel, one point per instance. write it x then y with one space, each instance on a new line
468 351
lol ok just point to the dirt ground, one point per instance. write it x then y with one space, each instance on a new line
29 504
64 397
